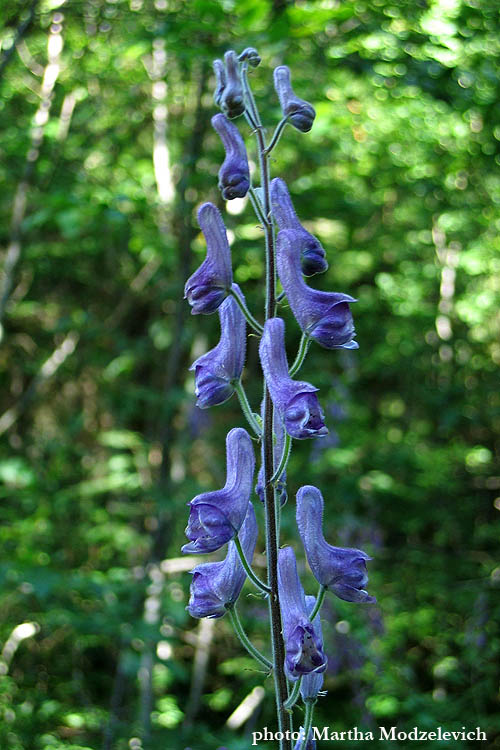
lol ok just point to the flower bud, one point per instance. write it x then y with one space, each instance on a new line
250 54
220 78
232 101
208 287
300 113
312 254
234 174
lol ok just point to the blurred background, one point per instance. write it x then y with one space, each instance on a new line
106 151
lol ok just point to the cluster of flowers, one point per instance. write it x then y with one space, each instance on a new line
227 516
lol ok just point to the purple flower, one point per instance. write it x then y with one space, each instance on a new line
312 683
220 78
309 745
211 283
278 445
217 585
234 174
312 253
232 100
216 517
300 113
303 644
324 316
295 400
343 571
217 370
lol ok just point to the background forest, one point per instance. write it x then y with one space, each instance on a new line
106 150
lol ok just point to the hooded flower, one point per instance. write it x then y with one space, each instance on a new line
232 100
324 316
216 517
220 78
312 683
211 283
217 370
303 643
343 571
278 445
295 400
234 174
312 254
300 113
217 585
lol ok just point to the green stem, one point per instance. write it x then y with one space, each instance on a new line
308 720
246 312
247 411
318 602
251 109
238 627
293 697
276 135
254 578
287 447
305 342
254 200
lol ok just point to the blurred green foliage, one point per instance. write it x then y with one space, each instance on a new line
101 444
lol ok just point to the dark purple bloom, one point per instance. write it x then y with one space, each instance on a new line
295 400
303 644
216 517
312 683
300 113
324 316
312 254
217 585
217 370
207 288
278 445
234 174
232 100
343 571
220 77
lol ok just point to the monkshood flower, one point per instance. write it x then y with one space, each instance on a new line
216 517
234 174
217 585
217 371
312 254
232 100
323 316
278 445
312 683
342 571
303 644
300 113
295 400
220 79
210 284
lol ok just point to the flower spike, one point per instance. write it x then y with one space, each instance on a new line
207 288
216 517
296 400
343 571
234 174
323 316
303 643
217 585
312 253
300 113
217 371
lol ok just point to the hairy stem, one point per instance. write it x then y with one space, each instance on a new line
246 312
305 342
284 458
293 697
240 632
248 570
245 406
308 720
318 602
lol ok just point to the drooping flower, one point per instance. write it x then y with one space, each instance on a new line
217 371
312 683
278 445
300 113
234 174
217 585
312 254
220 78
210 284
303 645
216 517
232 100
324 316
295 400
342 571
